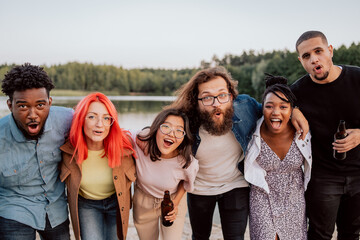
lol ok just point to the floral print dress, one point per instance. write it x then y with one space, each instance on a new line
282 211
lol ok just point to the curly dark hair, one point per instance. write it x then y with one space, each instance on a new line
27 76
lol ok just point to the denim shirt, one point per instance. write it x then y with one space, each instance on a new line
246 112
30 186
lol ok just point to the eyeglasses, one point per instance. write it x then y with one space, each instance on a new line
209 100
166 129
106 120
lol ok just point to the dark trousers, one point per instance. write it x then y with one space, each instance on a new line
233 209
331 200
13 230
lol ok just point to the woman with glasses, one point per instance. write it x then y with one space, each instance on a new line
98 169
167 164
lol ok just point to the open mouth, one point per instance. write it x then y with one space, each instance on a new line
317 69
168 142
275 123
217 113
33 128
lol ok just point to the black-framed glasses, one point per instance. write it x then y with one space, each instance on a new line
106 120
166 129
209 100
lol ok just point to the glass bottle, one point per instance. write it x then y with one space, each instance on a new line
166 206
340 134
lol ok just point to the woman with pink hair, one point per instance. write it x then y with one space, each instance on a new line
98 169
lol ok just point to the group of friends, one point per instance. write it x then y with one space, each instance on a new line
211 146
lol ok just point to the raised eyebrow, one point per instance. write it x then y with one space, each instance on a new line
318 48
170 125
104 115
222 91
314 49
93 113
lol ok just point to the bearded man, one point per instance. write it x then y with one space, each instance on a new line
223 122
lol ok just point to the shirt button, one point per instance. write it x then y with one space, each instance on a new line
303 145
120 193
14 170
115 177
41 161
122 209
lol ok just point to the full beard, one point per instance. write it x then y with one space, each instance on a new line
217 128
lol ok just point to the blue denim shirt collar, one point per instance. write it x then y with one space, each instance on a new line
18 135
33 164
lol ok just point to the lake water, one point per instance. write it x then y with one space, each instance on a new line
135 112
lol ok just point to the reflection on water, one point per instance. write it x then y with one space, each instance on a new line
135 112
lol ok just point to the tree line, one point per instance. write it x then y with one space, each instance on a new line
248 69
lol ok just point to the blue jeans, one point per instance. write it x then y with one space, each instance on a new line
98 218
233 209
330 200
13 230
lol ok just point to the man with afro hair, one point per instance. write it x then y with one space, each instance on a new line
32 197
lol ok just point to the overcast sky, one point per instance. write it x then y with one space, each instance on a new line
164 34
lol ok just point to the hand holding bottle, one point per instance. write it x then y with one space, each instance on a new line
172 215
348 143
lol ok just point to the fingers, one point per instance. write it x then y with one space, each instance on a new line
172 215
299 131
348 143
300 123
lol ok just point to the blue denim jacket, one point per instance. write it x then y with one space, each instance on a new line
246 112
30 186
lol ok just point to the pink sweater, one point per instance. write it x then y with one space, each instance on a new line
154 178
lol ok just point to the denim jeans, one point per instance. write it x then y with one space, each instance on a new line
330 200
233 209
98 218
13 230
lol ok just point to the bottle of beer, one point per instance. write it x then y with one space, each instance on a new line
166 206
340 134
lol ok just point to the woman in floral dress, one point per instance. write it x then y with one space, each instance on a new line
278 168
